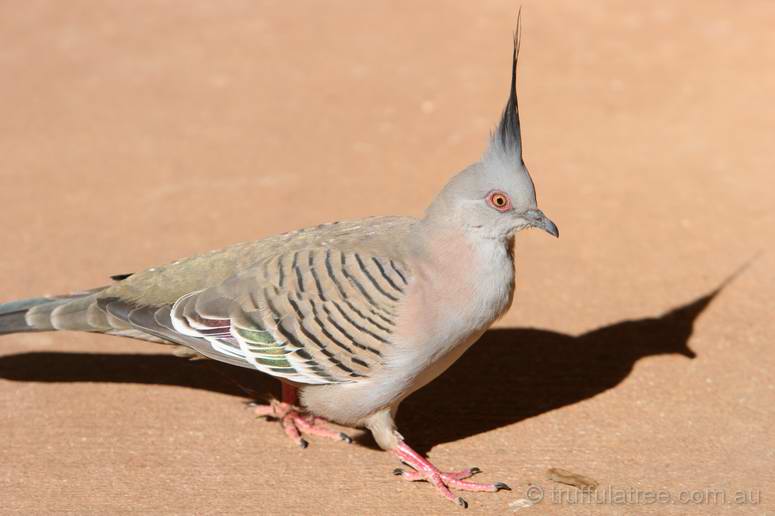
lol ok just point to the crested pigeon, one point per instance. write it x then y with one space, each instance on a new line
352 317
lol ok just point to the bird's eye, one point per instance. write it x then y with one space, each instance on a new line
499 200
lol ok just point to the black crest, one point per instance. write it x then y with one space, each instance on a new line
509 129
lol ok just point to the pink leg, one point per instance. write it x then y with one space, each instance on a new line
442 481
289 394
294 421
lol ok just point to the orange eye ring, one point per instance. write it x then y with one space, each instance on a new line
499 200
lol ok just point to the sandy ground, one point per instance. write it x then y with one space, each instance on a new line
134 133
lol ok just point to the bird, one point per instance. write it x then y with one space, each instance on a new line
352 317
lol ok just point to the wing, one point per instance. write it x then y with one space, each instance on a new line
314 316
316 305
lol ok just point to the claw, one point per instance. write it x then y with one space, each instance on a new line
442 481
295 422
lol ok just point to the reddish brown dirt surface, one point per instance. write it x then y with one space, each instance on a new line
134 133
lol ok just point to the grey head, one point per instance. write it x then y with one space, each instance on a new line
494 197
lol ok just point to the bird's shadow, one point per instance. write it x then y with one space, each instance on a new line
511 374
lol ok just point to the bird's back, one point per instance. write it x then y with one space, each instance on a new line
165 284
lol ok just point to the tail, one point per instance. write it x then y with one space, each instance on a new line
71 312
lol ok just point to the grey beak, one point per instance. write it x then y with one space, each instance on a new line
539 220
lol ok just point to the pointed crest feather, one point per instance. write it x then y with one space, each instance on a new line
508 133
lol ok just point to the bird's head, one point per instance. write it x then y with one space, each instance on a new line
495 196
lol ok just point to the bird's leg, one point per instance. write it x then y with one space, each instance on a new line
442 481
294 421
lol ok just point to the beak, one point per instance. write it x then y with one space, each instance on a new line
537 219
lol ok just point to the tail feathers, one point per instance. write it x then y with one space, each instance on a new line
13 315
73 312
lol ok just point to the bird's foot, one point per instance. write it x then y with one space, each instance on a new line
295 423
442 481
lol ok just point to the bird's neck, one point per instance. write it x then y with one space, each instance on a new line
445 241
478 269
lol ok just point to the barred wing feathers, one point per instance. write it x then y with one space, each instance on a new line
315 315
